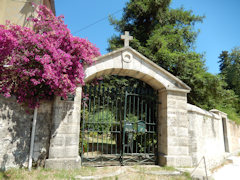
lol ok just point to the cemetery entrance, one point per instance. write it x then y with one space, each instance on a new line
118 126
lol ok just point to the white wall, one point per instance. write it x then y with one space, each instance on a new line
206 136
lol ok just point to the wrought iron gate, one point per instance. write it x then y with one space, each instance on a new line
118 126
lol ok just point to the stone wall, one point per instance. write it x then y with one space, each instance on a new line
15 130
184 141
206 137
234 136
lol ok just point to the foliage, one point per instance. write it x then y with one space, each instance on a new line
230 68
232 112
164 35
167 36
101 120
230 71
36 65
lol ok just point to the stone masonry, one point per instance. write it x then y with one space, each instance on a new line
186 133
64 144
173 148
15 130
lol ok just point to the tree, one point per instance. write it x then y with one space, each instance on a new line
230 68
166 36
224 61
36 65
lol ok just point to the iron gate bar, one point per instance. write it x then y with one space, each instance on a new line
83 129
99 99
90 110
141 115
138 100
141 118
94 103
145 129
102 123
102 116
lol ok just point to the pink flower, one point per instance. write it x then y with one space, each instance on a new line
44 62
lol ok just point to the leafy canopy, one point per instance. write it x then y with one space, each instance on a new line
230 71
36 65
230 68
167 37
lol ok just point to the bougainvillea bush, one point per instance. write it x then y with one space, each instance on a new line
38 63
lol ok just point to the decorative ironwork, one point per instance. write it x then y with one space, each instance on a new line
118 126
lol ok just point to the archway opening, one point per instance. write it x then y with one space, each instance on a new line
119 122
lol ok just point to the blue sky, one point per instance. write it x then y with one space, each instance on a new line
219 31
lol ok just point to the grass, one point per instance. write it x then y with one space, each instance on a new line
43 174
168 168
49 174
187 175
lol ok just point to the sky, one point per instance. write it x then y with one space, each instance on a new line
219 31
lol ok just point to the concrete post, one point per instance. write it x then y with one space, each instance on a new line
64 143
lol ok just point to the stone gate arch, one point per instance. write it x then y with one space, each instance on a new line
173 141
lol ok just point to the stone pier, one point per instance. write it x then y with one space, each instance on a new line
64 143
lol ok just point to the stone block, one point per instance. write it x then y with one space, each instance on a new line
109 65
68 129
71 151
178 141
124 72
56 152
175 161
145 70
177 131
178 150
57 141
63 163
63 152
100 67
115 71
181 106
90 71
127 66
71 140
178 121
171 103
177 95
136 63
146 78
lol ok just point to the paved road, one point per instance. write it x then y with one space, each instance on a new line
229 171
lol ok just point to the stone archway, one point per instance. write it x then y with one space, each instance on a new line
173 144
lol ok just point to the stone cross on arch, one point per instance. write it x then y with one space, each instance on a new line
126 38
